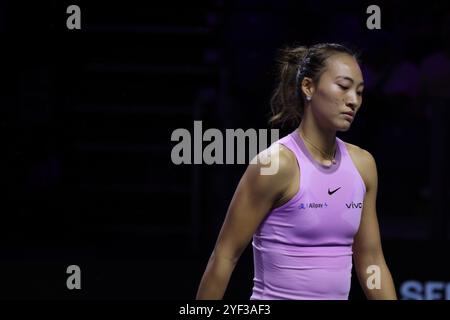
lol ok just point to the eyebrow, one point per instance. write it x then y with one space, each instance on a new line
350 79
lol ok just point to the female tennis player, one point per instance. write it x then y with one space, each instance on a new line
316 215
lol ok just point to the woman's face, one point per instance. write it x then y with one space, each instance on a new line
338 92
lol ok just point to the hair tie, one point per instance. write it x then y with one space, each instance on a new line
301 71
304 65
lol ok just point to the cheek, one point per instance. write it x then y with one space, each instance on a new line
330 94
330 99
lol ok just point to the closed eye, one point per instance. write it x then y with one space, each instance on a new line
346 88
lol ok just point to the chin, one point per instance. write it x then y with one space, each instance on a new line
344 128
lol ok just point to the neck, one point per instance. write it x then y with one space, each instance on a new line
324 141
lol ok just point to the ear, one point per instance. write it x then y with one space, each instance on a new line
307 87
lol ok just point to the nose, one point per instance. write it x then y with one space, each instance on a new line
351 105
352 101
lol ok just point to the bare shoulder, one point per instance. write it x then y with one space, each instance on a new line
273 168
277 156
365 163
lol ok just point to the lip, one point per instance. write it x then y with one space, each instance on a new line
349 114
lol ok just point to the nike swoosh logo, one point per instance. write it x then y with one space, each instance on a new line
331 192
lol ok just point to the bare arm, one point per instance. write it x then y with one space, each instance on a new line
367 247
252 200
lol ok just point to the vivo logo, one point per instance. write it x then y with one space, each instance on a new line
354 205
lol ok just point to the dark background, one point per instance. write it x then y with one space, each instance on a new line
87 117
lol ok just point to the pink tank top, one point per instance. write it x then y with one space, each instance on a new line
303 249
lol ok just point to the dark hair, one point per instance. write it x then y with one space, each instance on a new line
295 63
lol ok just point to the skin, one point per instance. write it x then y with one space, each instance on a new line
256 195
